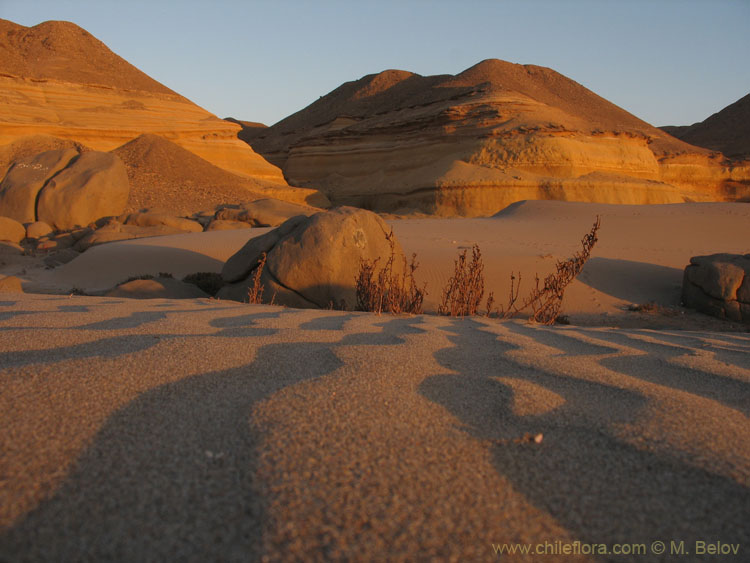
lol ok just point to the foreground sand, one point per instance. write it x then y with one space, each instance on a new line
202 430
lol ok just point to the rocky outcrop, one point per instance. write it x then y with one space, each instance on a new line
94 185
57 79
264 212
719 285
311 261
162 219
473 143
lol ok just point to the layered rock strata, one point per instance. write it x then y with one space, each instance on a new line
473 143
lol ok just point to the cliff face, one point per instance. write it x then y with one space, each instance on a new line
56 79
471 144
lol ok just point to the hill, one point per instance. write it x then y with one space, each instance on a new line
58 80
472 143
727 131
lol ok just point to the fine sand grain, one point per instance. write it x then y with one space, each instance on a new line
212 431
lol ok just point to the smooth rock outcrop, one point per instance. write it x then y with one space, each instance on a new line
719 285
473 143
24 180
11 230
157 288
311 261
95 185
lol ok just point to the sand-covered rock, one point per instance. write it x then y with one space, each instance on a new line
311 261
473 143
158 218
226 225
11 230
10 284
157 288
95 185
24 180
264 212
719 285
272 212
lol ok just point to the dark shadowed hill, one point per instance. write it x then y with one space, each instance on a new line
727 131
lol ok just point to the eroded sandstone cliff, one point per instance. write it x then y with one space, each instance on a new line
473 143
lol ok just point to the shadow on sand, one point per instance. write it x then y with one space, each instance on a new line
598 486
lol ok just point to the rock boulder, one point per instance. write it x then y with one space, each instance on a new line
311 261
25 179
719 285
94 185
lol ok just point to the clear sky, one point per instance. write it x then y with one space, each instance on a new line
670 62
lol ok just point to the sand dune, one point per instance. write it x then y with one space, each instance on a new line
167 430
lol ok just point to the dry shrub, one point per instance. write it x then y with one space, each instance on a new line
465 289
545 301
386 290
255 293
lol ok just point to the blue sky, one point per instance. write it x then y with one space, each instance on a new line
667 61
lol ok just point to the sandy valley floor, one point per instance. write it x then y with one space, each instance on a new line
209 430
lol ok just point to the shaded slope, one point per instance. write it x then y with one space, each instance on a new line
164 175
727 131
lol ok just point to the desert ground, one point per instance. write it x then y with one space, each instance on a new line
213 430
206 429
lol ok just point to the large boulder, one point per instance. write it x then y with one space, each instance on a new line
94 185
25 179
11 230
719 285
311 261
